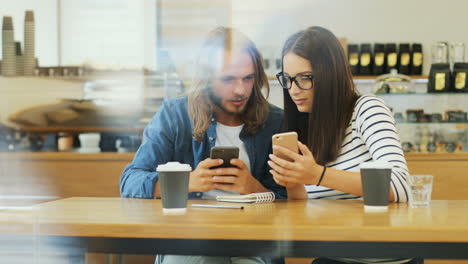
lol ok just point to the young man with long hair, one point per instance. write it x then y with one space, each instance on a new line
225 107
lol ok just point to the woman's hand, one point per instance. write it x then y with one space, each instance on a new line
302 170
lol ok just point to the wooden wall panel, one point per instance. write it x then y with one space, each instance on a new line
62 174
450 173
37 177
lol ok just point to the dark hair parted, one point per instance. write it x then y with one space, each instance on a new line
219 41
335 95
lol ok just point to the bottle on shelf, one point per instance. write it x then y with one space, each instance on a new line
379 59
353 58
404 58
365 61
391 56
416 59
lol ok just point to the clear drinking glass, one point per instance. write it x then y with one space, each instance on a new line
440 52
420 190
457 52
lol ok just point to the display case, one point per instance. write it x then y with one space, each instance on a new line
426 122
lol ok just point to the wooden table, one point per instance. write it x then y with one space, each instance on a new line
285 228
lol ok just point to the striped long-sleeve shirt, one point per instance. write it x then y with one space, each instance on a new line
370 136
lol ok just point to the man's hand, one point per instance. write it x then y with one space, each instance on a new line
237 179
201 179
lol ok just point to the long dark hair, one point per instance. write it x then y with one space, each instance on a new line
323 129
218 41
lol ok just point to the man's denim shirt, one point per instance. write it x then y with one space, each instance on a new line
168 137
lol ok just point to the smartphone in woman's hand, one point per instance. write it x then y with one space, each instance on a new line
287 140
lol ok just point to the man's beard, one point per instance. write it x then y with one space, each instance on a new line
217 101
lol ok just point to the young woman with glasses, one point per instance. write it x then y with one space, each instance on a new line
338 129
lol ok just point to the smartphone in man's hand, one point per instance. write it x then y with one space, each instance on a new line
226 154
287 140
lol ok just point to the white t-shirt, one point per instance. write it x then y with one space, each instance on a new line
228 136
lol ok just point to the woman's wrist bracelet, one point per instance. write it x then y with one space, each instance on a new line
321 176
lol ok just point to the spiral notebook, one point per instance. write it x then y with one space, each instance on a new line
264 197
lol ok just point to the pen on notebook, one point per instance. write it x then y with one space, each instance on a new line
218 206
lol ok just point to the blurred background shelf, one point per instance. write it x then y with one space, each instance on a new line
79 129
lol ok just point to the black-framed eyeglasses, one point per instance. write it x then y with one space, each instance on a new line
303 81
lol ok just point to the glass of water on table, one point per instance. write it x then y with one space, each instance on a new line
420 190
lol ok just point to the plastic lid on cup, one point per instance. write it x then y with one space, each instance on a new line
376 165
173 166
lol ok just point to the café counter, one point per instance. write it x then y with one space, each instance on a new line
67 174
